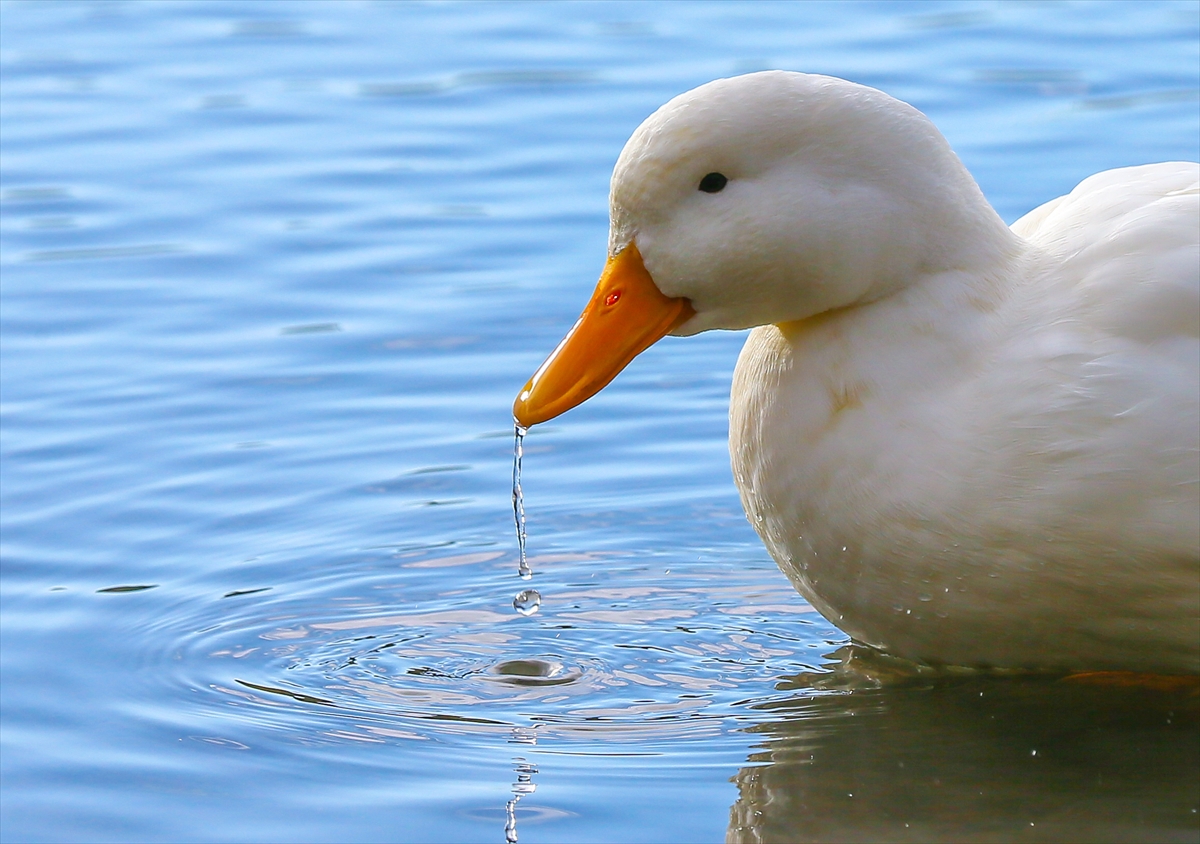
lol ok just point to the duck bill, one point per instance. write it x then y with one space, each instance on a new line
626 315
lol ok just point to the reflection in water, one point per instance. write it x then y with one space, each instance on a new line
524 784
975 759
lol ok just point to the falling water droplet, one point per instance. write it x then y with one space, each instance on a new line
527 602
518 497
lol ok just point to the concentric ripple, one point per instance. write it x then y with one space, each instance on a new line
616 657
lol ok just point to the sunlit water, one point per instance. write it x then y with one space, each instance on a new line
272 275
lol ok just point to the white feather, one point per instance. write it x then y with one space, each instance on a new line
964 444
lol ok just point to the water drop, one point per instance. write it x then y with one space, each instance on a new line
527 602
924 597
518 498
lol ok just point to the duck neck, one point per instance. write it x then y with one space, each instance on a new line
969 267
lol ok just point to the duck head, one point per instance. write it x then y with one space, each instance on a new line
763 198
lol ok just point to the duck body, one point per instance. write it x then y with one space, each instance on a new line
965 444
999 470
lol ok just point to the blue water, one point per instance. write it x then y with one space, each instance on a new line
272 275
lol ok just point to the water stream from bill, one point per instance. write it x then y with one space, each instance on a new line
527 601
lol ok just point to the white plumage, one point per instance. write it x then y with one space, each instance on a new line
964 444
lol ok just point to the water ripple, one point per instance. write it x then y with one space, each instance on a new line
459 666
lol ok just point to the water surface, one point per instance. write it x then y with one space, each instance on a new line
271 275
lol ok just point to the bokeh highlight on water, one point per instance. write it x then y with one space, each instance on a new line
271 275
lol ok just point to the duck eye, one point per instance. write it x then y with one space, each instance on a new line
712 183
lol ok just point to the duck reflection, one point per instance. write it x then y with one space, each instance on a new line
865 757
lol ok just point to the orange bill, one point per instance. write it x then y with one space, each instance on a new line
627 314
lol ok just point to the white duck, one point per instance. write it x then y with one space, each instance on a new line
965 444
